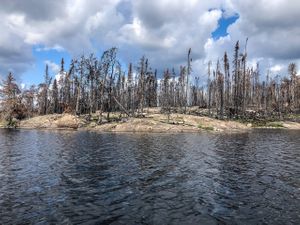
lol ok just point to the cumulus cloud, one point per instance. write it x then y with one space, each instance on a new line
163 30
15 55
34 9
272 29
55 68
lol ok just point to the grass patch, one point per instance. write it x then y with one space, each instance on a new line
201 126
262 123
255 122
293 116
275 124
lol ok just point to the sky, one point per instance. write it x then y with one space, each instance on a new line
35 33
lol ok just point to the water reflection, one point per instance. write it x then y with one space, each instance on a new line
83 177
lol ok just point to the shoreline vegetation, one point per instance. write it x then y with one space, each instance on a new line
97 93
152 121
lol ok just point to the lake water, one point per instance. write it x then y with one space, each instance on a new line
68 177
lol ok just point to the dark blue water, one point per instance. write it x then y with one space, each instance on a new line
65 177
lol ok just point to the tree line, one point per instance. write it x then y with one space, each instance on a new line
97 85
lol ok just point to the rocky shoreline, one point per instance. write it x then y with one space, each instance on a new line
155 123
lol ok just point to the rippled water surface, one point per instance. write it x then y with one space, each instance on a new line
64 177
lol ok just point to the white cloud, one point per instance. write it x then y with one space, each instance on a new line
273 33
276 68
55 68
56 47
163 30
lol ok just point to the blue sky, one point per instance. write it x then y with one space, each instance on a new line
223 24
35 74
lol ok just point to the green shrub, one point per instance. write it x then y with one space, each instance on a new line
201 126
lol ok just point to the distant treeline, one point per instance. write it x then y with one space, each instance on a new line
232 90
